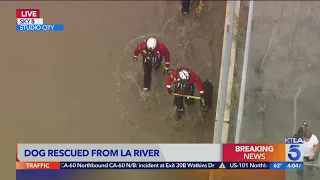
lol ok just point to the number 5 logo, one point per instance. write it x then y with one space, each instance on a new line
294 153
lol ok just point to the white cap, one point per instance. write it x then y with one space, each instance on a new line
151 43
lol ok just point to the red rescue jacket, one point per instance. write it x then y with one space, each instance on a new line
160 51
194 78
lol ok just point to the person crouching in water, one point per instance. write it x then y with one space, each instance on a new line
309 150
183 80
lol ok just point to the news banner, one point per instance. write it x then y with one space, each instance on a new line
160 156
30 20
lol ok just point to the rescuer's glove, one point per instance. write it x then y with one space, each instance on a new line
166 71
135 58
170 91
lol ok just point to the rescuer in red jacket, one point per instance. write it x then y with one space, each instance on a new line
152 52
182 81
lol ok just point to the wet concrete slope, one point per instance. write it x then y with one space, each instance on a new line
282 74
283 71
81 85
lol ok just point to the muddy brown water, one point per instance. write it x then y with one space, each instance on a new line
81 85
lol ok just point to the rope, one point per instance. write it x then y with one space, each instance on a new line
200 7
193 97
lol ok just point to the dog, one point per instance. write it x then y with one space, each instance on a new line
208 92
300 132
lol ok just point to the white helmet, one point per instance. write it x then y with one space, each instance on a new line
184 75
151 43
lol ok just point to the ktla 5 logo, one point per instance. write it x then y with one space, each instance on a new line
293 149
294 154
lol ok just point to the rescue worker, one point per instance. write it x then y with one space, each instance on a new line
152 52
182 80
185 5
